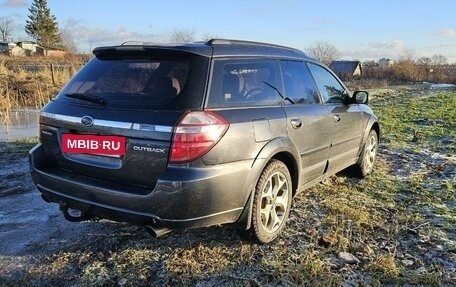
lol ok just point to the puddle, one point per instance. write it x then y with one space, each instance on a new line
22 123
443 86
440 85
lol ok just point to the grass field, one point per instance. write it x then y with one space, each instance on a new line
399 223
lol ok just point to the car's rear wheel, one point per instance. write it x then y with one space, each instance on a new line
272 202
365 164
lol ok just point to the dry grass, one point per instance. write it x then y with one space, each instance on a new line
382 220
21 86
384 265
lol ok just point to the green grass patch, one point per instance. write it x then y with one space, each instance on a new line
413 118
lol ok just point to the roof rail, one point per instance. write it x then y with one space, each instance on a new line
140 43
216 41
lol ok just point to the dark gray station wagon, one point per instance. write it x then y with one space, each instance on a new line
200 134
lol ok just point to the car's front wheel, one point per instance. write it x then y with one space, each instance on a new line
272 202
365 164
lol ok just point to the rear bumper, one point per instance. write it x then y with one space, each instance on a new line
182 198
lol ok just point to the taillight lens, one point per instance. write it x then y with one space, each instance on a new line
195 135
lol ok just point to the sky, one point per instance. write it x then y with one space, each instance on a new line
361 30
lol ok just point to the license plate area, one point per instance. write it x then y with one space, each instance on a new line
112 146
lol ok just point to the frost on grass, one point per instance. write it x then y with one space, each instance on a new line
399 224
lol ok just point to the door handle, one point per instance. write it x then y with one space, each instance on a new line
296 123
336 118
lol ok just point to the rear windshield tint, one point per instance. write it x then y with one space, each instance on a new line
140 82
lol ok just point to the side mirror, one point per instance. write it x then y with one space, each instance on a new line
360 97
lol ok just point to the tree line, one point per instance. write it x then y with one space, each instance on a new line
431 69
41 26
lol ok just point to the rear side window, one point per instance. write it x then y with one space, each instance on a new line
238 83
140 82
331 89
298 83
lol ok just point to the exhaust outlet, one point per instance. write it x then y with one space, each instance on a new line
157 231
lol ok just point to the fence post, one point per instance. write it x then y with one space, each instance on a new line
7 110
53 74
71 70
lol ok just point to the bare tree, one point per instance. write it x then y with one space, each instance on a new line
323 51
6 28
439 60
423 69
407 55
182 36
69 42
424 61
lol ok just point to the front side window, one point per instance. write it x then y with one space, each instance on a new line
298 83
330 88
244 83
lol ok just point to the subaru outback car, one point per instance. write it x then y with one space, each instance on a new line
194 135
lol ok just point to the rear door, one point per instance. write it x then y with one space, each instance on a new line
243 91
346 120
135 96
308 121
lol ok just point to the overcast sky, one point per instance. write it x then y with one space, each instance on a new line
364 30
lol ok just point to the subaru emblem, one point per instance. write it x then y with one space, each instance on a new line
87 121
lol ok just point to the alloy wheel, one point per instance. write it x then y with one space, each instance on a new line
274 202
370 152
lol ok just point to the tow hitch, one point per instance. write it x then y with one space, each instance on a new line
64 208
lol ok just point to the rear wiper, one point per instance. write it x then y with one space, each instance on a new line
280 94
87 98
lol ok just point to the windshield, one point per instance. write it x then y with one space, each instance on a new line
138 82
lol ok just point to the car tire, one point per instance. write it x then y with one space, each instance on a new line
271 202
365 164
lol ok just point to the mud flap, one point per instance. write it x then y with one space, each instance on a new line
245 219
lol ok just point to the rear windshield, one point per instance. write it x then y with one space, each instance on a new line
135 81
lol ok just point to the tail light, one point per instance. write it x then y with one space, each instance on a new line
195 134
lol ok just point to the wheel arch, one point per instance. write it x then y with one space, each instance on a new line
282 149
372 124
292 166
355 169
376 127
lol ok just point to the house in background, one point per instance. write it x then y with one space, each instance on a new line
385 63
29 47
4 48
347 69
15 50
